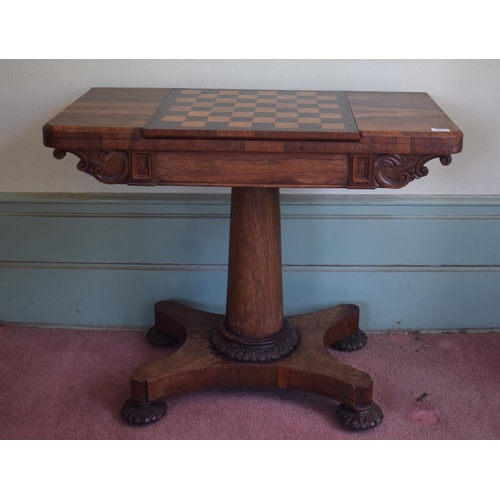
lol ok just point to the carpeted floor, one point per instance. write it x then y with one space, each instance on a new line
70 384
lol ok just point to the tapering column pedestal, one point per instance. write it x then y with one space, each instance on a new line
253 343
254 328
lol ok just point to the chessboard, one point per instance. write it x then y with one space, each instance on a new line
264 114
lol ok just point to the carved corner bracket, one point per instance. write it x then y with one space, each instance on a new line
396 171
112 166
108 166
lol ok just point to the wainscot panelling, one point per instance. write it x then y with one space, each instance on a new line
409 262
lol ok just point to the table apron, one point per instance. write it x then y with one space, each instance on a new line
244 169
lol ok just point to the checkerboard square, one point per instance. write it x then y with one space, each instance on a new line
286 125
193 124
240 124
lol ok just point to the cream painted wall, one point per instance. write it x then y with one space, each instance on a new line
33 91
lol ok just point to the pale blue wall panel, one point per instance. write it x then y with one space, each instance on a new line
307 239
388 299
402 300
103 297
109 239
422 263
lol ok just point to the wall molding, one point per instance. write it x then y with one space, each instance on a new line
141 330
333 268
224 199
105 215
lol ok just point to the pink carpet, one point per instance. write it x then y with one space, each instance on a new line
70 384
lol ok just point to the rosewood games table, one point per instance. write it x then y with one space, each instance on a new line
256 142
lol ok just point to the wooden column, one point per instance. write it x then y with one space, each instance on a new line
254 328
254 307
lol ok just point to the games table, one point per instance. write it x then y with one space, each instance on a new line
256 142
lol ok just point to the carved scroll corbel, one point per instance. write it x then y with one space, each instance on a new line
396 171
107 166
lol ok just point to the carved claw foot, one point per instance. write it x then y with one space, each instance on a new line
359 420
352 342
143 413
159 338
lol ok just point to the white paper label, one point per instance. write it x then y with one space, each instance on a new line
440 129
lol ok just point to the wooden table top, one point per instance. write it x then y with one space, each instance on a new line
255 120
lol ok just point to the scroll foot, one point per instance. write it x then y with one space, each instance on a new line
352 342
143 413
359 419
159 338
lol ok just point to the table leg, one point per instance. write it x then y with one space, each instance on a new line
254 328
254 344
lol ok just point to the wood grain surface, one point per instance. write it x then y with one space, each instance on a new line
197 365
254 306
388 122
251 169
107 112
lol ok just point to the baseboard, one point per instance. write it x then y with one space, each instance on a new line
142 329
